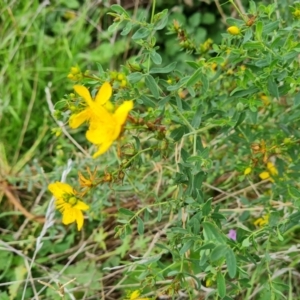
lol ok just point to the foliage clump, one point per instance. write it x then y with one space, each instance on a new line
196 162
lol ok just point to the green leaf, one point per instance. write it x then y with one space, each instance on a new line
100 69
125 211
140 226
206 209
192 64
126 29
196 121
208 18
162 18
205 83
119 9
195 77
218 252
113 27
159 214
4 296
246 243
186 246
293 192
247 35
259 29
297 99
152 86
155 57
253 45
141 33
135 77
206 246
221 285
231 262
167 69
178 133
272 87
195 19
212 233
270 27
237 92
218 60
147 101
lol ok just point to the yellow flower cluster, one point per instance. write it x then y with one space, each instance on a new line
75 74
264 220
105 125
105 122
271 171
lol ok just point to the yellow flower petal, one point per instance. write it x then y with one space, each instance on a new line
83 92
69 216
59 189
264 175
247 171
104 94
122 111
271 167
102 133
258 221
77 119
103 148
134 294
62 205
81 206
79 219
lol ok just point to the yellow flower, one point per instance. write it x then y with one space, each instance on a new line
296 13
233 30
67 203
105 126
247 171
264 175
104 131
135 296
264 220
95 108
272 169
265 99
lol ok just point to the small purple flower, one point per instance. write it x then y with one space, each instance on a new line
232 234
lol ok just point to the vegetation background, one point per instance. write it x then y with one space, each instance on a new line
163 229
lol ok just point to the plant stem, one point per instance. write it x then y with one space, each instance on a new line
238 10
153 10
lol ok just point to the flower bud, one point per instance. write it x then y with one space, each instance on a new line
247 171
233 30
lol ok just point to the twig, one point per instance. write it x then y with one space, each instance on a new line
60 123
10 196
221 12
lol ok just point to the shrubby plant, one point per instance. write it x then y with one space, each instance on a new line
220 134
223 129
